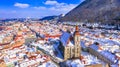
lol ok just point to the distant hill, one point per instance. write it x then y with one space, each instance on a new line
49 18
19 19
95 11
12 19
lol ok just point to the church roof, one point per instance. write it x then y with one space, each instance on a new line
65 37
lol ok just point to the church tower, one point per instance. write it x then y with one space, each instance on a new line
77 42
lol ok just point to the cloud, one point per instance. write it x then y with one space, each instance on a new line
63 8
21 5
51 2
57 7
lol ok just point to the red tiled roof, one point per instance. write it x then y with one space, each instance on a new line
4 44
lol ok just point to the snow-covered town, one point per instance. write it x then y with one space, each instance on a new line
47 44
59 33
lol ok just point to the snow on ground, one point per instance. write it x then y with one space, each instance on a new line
74 63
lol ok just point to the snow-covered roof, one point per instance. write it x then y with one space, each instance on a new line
95 47
105 53
64 38
109 56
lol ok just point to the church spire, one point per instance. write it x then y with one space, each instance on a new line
77 30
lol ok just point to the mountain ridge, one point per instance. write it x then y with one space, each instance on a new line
95 11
